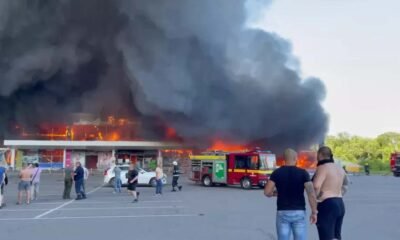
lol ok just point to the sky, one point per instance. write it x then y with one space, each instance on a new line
353 46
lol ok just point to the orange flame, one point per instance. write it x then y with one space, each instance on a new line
170 133
225 146
305 160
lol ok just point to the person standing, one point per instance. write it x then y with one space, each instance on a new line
175 177
288 184
24 185
85 178
36 172
132 182
3 175
159 176
330 183
68 180
366 168
117 179
78 179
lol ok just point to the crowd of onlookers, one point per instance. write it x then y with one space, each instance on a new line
29 181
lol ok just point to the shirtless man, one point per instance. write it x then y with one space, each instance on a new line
25 176
330 183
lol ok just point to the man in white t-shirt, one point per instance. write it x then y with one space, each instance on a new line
36 172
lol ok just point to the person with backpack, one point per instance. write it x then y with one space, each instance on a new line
36 172
3 182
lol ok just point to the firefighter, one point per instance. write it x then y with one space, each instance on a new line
175 177
366 168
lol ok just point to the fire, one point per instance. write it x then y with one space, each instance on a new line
112 128
305 160
170 133
114 137
228 147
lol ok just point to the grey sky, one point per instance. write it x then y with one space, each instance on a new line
353 46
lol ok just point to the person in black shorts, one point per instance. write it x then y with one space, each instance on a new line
132 176
330 183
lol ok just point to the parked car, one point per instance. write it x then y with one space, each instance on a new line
145 177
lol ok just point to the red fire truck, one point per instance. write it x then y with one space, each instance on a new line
395 163
246 169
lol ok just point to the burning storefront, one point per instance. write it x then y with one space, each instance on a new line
191 72
92 154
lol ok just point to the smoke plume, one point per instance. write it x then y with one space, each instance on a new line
193 65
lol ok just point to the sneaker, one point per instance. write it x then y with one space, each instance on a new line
135 201
180 188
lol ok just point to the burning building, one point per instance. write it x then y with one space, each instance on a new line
185 71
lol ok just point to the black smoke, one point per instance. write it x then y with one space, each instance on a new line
191 64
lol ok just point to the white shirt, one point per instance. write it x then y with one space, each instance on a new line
85 173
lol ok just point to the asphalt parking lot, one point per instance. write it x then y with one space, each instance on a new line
373 206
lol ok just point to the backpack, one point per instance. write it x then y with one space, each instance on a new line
3 176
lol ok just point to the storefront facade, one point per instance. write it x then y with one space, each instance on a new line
92 154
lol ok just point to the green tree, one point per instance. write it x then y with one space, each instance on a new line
356 149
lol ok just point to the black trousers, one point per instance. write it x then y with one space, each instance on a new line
175 181
330 218
67 188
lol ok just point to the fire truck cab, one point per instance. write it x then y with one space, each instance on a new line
395 163
247 169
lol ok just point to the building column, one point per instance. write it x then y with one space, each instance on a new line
64 157
159 159
12 157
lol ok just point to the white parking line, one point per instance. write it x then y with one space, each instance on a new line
102 217
63 205
105 202
25 210
90 209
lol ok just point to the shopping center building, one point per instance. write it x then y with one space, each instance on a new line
92 154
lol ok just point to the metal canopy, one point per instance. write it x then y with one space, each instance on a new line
89 145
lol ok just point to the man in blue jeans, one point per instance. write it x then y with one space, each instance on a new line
288 183
117 179
79 175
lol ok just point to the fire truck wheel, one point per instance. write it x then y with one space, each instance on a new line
207 181
245 183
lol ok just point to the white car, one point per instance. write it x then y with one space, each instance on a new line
145 178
